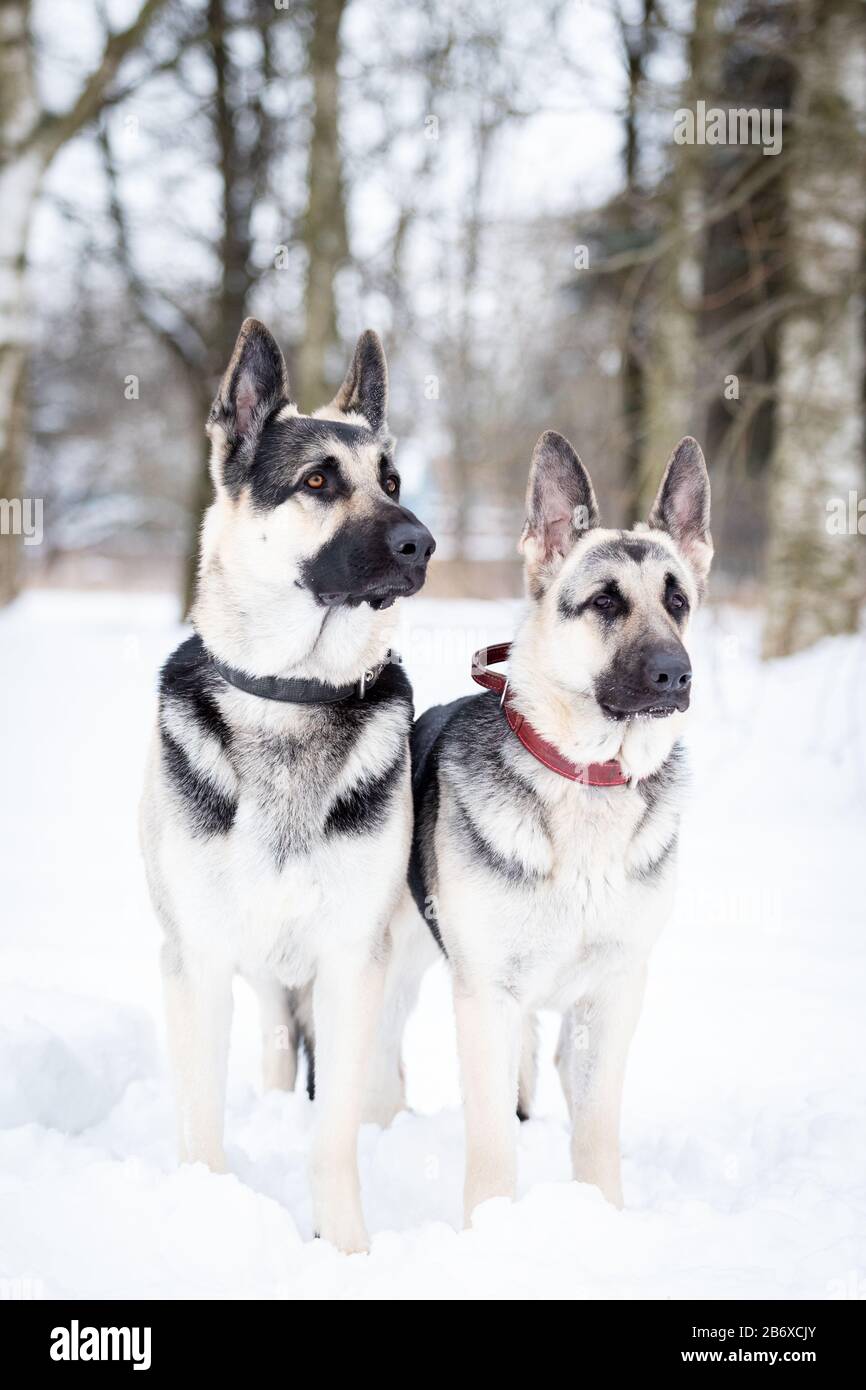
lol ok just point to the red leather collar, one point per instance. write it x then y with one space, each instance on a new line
591 774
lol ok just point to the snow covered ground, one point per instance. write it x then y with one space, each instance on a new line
744 1128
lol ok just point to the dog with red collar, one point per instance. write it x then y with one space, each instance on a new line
547 809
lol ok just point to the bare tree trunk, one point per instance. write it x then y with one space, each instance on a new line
637 42
671 355
19 182
323 232
814 565
29 140
242 173
464 440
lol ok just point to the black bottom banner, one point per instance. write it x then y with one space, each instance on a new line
161 1338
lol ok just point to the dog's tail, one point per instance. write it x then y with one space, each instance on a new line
308 1046
528 1066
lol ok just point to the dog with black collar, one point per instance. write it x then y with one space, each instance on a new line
276 818
547 809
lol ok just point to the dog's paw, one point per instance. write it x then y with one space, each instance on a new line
476 1194
213 1158
337 1214
349 1236
605 1176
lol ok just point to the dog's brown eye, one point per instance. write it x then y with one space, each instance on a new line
603 602
391 485
316 481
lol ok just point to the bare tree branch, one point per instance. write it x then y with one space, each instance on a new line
54 129
165 320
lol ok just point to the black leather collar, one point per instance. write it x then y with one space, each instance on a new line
298 691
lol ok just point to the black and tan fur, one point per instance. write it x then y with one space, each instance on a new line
276 834
544 892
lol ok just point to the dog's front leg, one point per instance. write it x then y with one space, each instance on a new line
347 1000
592 1055
198 1005
488 1040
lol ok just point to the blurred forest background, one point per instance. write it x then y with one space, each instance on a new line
497 188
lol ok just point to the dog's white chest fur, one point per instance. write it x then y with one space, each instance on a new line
234 900
595 905
281 883
581 900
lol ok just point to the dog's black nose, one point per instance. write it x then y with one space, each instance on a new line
667 670
411 543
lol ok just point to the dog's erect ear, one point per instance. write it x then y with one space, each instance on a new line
254 385
365 390
560 504
682 506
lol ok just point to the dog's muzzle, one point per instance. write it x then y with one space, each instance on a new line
377 566
657 685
